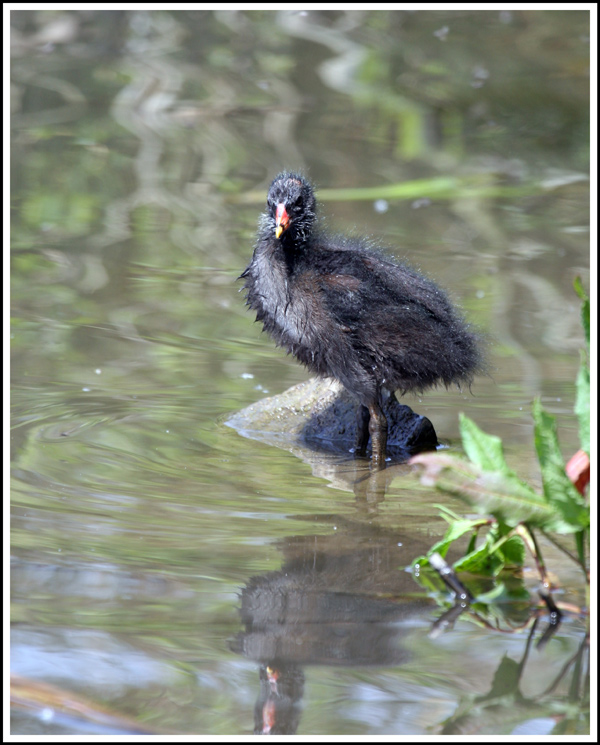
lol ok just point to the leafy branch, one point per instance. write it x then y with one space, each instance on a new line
512 510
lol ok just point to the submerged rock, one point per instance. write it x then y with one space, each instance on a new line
320 413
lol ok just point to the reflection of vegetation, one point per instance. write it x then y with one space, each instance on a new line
505 710
481 186
488 484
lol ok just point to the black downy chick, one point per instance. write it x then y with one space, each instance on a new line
348 312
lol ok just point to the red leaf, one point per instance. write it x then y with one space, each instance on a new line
578 470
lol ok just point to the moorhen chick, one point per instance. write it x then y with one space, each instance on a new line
347 312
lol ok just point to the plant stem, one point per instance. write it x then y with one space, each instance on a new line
530 541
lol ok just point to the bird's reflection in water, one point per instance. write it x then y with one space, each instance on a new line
278 707
339 599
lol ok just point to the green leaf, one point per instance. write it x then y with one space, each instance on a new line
585 308
513 551
462 526
480 561
558 489
482 449
580 543
455 530
491 492
582 403
472 543
500 548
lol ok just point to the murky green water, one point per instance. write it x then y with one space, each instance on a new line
158 557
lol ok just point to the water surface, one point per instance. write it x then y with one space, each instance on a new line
167 568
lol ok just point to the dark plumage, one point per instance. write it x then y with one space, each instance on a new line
346 311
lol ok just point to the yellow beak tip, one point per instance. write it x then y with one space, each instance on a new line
278 231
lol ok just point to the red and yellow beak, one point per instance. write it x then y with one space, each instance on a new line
282 220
